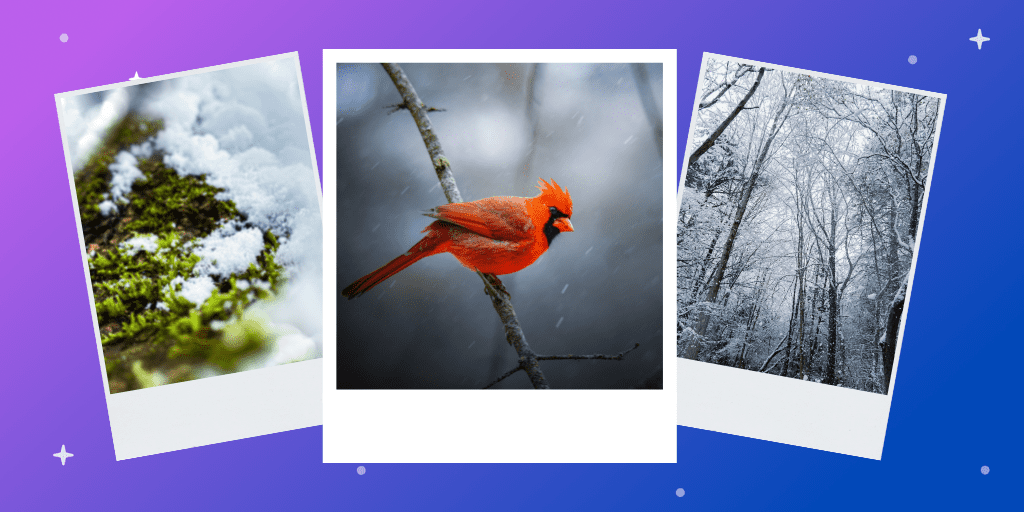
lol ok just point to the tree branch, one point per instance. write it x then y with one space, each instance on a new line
502 303
725 86
725 124
418 110
401 106
617 357
503 377
778 349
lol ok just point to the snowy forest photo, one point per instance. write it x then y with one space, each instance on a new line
800 217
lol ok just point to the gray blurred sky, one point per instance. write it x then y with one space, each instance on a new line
597 290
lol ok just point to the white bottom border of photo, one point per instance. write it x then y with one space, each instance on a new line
216 409
781 409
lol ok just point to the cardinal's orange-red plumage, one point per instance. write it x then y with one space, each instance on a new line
496 235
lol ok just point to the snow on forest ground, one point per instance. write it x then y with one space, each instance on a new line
245 130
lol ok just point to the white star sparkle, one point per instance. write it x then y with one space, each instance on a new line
63 455
980 39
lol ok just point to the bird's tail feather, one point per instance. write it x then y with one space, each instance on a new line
429 245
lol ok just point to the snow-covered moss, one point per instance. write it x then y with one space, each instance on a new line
171 265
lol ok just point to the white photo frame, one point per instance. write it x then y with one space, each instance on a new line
219 408
460 425
781 409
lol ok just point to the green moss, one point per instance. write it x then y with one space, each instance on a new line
151 334
93 181
167 201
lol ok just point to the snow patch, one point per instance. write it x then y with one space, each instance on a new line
197 289
107 207
146 243
87 124
292 348
144 150
124 171
226 252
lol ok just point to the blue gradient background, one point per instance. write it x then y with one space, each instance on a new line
957 397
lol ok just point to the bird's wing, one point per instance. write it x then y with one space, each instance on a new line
500 218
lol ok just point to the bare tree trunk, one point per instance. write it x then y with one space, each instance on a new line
700 279
816 322
801 282
892 329
833 309
716 282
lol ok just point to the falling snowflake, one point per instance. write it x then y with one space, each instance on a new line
680 492
912 59
361 470
984 470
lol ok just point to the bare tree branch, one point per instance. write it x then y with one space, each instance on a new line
418 110
724 86
503 377
725 124
617 357
501 301
778 349
401 106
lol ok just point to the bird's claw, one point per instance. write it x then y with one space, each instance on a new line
493 285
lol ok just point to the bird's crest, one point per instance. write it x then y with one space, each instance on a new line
553 195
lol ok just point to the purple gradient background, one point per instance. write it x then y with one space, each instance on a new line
957 397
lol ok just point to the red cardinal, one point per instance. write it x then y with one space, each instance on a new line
496 235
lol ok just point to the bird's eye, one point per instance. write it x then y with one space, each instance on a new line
553 210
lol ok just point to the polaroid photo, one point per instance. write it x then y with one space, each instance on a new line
495 255
800 219
198 205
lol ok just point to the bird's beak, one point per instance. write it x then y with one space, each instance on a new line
563 224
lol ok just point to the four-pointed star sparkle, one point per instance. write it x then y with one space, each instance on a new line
979 39
63 455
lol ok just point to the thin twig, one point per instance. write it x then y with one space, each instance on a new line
503 377
443 168
401 106
617 357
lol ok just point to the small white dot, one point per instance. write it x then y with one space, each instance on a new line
63 38
984 470
361 470
912 59
680 492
